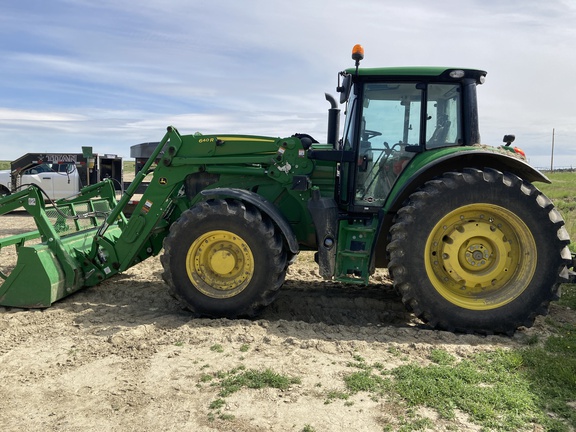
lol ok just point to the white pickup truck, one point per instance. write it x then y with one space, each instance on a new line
59 175
57 180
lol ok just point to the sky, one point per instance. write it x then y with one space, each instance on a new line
114 73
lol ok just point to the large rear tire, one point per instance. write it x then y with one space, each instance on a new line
224 258
478 251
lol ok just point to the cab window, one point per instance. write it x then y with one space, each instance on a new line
443 127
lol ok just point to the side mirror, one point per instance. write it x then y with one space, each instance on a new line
344 89
509 139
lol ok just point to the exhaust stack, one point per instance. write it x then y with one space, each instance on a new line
333 121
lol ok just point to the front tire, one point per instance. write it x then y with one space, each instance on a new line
4 192
478 251
224 258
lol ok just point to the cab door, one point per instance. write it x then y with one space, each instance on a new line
389 135
40 175
64 180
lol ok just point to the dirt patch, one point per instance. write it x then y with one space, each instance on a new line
124 356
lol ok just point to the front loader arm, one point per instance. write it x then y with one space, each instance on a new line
113 254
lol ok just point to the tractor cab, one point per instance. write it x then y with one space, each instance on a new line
393 114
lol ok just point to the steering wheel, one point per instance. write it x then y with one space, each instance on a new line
369 134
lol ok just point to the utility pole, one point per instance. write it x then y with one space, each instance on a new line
552 155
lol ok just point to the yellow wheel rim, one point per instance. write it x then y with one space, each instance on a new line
220 264
480 256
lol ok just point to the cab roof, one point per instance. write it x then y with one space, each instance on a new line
421 72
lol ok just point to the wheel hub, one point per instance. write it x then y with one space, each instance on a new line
222 262
477 255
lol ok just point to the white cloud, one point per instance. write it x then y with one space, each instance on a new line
8 115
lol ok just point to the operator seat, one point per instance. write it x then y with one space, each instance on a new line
439 136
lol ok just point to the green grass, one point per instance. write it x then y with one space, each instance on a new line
234 380
487 386
254 379
217 348
128 165
551 371
499 390
568 298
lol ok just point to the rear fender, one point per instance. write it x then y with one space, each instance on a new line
263 205
411 179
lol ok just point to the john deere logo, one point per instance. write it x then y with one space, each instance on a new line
163 180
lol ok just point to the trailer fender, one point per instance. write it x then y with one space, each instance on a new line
263 205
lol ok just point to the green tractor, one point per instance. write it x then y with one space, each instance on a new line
470 243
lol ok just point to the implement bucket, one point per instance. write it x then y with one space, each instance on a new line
52 262
36 281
